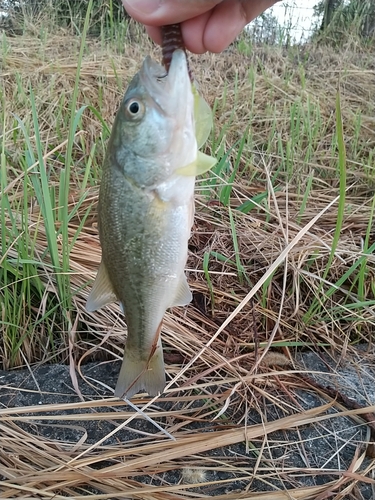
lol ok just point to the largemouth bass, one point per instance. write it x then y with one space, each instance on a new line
146 209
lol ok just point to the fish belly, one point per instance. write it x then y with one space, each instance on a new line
144 249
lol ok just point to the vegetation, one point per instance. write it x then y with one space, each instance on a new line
281 258
341 18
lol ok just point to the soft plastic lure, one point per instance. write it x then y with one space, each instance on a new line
171 41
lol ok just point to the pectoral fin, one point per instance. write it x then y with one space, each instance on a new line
202 164
102 292
203 118
203 125
183 296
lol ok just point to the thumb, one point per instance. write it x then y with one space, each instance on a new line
160 12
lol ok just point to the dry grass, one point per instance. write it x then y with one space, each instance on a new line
232 349
49 468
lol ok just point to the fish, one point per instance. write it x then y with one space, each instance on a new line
146 211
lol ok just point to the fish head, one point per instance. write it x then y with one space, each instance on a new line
154 131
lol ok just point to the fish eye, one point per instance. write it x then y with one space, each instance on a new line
134 109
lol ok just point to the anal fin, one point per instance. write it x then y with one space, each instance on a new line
183 296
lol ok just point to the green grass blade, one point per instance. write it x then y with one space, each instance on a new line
42 190
342 188
206 260
65 185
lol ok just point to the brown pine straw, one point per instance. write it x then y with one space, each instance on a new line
69 468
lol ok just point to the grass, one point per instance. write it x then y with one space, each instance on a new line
282 252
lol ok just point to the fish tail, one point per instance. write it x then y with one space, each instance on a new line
137 374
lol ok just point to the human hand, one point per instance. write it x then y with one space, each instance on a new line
207 25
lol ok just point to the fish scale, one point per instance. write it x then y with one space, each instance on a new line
146 207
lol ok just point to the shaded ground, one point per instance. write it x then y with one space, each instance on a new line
326 447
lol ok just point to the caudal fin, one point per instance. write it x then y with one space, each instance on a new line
137 375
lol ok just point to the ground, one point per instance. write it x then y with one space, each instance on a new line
45 407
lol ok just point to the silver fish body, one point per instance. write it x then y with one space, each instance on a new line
146 212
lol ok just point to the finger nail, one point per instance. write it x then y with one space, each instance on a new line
141 6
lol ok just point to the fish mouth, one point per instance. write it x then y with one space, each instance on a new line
170 90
